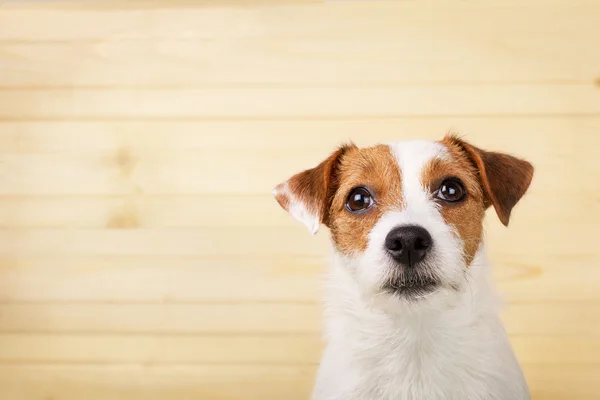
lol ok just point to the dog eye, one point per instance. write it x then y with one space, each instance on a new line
451 190
359 199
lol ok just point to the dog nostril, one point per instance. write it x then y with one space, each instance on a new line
394 245
421 244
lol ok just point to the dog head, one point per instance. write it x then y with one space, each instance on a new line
407 217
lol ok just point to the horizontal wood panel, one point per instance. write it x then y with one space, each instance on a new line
151 349
386 60
276 349
271 277
261 102
555 382
197 241
231 382
152 278
535 318
334 20
244 318
523 136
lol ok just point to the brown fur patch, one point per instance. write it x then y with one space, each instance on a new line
504 178
490 179
313 187
376 169
465 216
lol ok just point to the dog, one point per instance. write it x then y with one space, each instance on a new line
411 313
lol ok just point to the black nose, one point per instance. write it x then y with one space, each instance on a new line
408 244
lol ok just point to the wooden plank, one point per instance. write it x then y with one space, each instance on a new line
159 279
115 212
521 276
543 135
104 5
157 319
150 382
555 382
235 349
579 319
532 318
239 382
197 241
389 60
168 349
557 349
294 102
333 19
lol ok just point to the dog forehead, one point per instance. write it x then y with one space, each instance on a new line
413 155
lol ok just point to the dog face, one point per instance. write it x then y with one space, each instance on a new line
407 217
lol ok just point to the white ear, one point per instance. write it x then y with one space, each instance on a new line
296 208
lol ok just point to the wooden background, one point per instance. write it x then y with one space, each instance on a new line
141 254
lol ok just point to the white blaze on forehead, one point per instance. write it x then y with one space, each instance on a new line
412 157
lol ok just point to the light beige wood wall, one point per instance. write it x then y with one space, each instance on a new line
141 254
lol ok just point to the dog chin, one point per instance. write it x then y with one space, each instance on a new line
412 288
398 299
419 285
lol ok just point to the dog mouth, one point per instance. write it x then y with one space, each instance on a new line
412 285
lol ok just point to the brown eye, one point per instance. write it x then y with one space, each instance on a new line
451 190
359 199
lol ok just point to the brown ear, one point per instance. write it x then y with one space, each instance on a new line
307 195
504 178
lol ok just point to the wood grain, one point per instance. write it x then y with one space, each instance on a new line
317 101
141 253
190 382
567 318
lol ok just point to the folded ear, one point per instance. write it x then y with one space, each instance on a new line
504 178
307 195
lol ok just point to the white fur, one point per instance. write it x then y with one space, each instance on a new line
447 345
298 210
